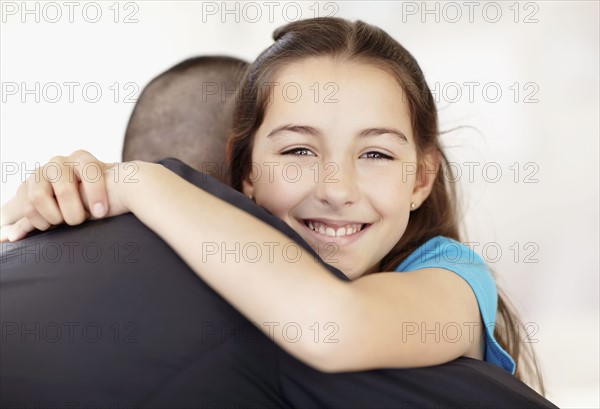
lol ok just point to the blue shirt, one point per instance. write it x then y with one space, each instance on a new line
442 252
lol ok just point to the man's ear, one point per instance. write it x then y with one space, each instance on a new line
427 171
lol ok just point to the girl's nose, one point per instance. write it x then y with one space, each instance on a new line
337 184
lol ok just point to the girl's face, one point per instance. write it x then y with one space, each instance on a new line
335 158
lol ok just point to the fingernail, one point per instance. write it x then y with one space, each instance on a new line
99 210
12 235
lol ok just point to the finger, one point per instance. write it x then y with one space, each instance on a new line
19 230
37 220
41 207
90 171
4 232
66 192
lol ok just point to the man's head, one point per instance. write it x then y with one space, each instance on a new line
186 113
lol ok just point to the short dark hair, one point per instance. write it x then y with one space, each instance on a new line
186 112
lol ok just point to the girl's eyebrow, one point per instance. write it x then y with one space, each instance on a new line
309 130
302 129
380 131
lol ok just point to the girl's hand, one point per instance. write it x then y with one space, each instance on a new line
65 190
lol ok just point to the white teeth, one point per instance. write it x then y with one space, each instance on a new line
331 232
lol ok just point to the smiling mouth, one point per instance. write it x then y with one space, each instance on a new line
342 231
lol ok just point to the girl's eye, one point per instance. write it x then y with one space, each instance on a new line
378 155
298 152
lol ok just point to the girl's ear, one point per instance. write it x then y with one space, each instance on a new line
426 174
248 188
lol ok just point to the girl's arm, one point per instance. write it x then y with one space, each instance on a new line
327 323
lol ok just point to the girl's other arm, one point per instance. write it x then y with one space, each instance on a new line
380 320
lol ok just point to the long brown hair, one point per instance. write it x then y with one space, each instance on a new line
438 215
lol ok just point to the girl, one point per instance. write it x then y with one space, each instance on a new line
336 133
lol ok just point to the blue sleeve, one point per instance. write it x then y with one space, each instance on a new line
442 252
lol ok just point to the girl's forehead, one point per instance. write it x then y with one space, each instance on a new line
336 94
325 80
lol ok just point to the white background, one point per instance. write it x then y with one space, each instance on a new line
549 49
